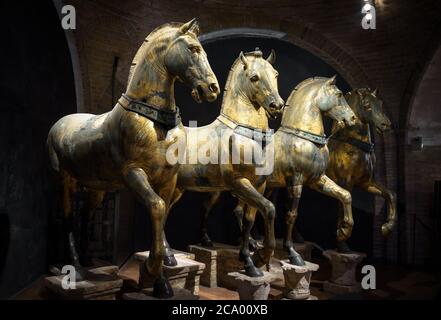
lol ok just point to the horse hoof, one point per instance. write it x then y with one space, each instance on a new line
162 289
206 242
258 260
253 272
342 247
297 260
386 229
170 261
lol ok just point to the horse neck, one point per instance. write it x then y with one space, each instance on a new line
359 131
301 113
239 108
151 83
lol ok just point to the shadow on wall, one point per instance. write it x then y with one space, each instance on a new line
183 227
37 88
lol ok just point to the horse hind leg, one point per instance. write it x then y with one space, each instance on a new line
69 188
208 207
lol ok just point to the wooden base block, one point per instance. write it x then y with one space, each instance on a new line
101 284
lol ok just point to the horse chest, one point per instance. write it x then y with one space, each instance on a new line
298 156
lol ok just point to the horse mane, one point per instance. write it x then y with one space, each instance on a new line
140 54
256 54
305 83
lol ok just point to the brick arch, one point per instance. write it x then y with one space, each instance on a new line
297 34
417 77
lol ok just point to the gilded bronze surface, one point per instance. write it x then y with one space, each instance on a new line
351 165
299 160
250 97
122 148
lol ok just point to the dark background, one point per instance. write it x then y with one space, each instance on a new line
37 88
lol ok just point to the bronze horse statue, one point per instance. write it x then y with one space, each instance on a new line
301 156
352 158
250 97
126 147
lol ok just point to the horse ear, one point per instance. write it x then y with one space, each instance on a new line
272 57
244 60
375 92
187 26
332 81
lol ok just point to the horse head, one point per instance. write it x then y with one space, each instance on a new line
185 59
257 80
330 100
369 109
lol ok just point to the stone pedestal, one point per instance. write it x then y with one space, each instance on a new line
304 249
250 288
101 283
185 275
220 260
207 256
298 279
343 279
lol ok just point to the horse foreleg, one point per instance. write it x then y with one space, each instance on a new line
294 192
328 187
243 189
169 258
379 190
137 181
208 206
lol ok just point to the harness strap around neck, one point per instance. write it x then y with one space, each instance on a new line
367 147
256 134
169 119
315 138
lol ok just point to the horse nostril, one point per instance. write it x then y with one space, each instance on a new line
213 88
353 118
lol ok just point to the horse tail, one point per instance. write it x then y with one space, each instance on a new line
53 157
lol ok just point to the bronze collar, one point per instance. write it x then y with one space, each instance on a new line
315 138
169 119
256 134
367 147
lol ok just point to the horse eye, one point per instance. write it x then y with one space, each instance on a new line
194 49
339 94
254 78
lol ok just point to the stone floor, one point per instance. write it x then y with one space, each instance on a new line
393 283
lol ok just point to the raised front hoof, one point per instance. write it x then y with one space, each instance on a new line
386 229
162 289
297 260
253 272
206 242
298 238
342 247
170 261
